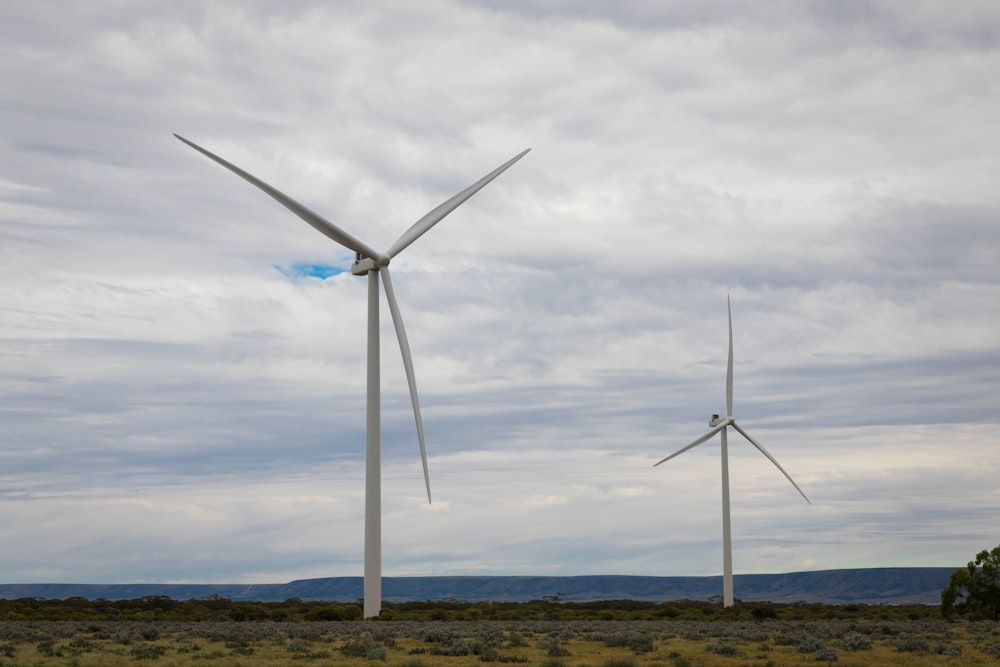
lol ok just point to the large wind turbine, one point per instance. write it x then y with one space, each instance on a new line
722 426
372 262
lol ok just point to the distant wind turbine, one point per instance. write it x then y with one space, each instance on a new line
372 262
721 426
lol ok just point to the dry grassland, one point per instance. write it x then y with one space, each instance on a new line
667 643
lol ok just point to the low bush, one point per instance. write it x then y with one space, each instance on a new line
553 647
638 642
826 655
948 648
148 652
909 642
811 644
723 648
298 645
855 641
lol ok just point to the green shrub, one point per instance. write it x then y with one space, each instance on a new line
826 655
552 647
453 646
638 642
810 644
909 642
297 645
516 639
787 639
855 641
722 648
486 649
354 649
49 648
762 612
947 648
364 646
148 652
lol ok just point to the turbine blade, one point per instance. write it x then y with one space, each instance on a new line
693 444
404 347
772 459
320 223
433 217
729 367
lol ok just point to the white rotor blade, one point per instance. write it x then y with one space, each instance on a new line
694 444
772 459
319 222
433 217
729 367
404 347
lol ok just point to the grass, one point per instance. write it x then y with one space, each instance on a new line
666 643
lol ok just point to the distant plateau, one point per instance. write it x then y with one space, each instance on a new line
893 585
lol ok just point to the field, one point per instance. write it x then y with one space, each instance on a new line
555 643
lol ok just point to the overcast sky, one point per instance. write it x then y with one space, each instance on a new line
182 361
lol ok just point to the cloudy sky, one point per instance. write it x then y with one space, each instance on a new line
182 361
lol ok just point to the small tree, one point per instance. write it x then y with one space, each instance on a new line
974 589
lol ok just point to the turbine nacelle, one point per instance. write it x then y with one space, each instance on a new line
362 265
716 421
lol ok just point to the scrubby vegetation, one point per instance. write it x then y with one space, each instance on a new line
165 632
217 609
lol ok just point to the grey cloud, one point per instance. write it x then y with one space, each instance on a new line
827 167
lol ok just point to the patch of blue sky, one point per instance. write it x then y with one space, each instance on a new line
304 270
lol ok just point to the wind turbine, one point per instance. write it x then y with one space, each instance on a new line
722 426
371 262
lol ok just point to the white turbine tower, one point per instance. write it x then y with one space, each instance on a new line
371 262
722 426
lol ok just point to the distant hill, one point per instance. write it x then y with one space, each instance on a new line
892 585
